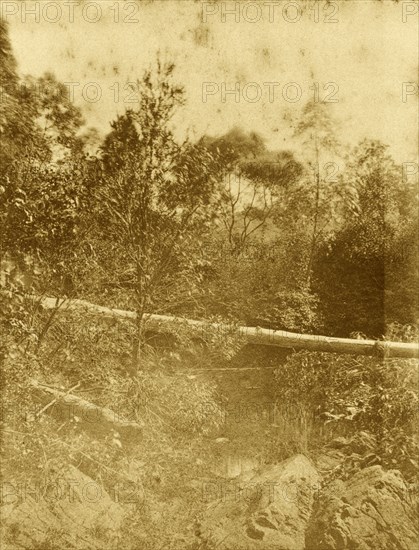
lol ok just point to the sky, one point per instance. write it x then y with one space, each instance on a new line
358 55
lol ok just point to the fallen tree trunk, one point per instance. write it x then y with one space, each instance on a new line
255 335
98 421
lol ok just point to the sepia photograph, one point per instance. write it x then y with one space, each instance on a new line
209 275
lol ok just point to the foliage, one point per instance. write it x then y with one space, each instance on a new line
166 399
358 395
42 192
316 132
260 287
358 272
253 179
152 193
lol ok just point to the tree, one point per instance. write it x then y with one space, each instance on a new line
154 195
41 167
16 119
361 274
316 131
253 179
254 272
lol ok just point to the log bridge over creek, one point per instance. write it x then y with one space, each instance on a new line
251 335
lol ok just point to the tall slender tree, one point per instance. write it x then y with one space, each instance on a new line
155 193
316 132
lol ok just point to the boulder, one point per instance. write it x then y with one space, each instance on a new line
372 510
269 512
69 511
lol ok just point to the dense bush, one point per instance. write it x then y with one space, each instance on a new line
356 395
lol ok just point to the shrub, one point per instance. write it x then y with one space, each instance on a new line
358 394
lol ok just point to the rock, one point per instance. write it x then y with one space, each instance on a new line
360 443
269 512
70 511
372 510
329 460
351 454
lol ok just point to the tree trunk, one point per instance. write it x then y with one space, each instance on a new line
316 218
137 343
314 236
141 300
99 421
